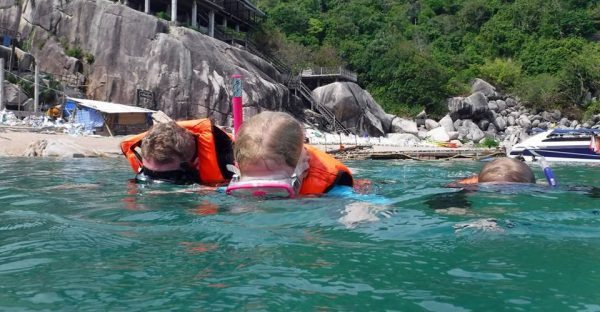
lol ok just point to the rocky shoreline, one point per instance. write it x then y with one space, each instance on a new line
485 113
469 121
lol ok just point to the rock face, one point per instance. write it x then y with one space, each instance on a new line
484 87
354 107
13 95
188 72
401 125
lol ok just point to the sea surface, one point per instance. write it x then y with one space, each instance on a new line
77 235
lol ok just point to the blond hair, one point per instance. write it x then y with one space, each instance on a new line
274 136
506 170
168 142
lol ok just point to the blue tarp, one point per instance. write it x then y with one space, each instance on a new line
69 108
89 118
6 41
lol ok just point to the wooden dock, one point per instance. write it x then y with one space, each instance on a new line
363 152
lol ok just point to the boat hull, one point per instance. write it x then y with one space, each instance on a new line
562 154
564 147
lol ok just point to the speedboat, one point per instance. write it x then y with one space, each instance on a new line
572 145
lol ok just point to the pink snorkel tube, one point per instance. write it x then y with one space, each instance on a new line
238 114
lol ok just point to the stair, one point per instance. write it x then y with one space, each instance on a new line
334 124
293 83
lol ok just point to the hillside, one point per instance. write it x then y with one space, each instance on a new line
414 54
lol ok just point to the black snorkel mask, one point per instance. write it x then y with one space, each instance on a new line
186 174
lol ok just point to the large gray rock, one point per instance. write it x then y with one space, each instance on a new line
403 138
483 124
546 116
458 108
511 120
575 123
493 106
491 132
354 107
479 105
13 94
62 148
401 125
188 72
473 133
556 114
524 122
480 85
20 57
431 124
447 123
473 107
438 134
501 105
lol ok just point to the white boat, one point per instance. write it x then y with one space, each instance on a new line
569 145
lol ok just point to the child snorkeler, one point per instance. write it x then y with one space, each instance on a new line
273 161
501 170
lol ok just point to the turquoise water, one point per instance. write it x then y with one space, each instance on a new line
75 235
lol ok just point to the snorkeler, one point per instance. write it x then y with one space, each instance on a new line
272 160
193 151
501 170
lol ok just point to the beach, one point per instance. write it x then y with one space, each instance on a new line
16 141
28 141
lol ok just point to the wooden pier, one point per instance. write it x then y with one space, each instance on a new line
363 152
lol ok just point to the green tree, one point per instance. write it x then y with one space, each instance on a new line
502 72
409 78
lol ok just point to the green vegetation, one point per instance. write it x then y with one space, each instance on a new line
163 15
412 54
592 109
78 53
88 58
74 52
48 86
488 143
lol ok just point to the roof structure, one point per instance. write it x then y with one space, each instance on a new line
110 108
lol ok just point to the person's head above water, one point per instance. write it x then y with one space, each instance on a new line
269 144
168 153
166 146
506 170
269 154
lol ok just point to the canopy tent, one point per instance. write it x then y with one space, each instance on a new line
96 116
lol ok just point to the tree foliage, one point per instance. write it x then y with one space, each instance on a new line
413 54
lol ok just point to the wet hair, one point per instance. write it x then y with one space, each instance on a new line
506 170
168 142
269 136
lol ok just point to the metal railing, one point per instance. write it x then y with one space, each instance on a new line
330 71
333 123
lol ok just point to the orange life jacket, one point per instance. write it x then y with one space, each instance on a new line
324 173
470 180
214 150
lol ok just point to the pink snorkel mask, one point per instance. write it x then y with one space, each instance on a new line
268 187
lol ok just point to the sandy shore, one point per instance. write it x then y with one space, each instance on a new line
18 141
15 141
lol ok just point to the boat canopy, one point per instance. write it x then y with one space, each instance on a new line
575 132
